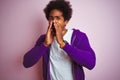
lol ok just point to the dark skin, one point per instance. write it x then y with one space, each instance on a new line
56 18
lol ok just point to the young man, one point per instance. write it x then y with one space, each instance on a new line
65 52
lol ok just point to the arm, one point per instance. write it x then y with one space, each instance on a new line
82 54
33 56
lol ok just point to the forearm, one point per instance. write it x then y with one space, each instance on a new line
82 57
33 56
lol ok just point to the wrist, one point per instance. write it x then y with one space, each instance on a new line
62 44
45 44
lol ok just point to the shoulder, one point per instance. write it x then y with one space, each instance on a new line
40 39
78 37
78 33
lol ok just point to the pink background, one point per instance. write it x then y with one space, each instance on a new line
23 21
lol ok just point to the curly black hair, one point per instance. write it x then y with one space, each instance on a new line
62 5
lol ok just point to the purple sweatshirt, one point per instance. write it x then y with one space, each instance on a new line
79 51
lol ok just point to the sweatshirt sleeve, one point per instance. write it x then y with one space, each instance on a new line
33 55
82 53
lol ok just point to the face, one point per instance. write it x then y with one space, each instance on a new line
56 16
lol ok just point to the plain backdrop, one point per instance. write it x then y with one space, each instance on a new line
23 21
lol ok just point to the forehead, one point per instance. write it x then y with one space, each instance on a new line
55 12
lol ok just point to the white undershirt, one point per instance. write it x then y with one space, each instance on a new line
60 62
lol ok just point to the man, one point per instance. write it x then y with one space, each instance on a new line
65 52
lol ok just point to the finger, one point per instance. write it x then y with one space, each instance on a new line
50 25
56 25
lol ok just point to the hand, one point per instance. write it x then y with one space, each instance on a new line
60 31
49 36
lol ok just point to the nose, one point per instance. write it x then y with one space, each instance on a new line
54 20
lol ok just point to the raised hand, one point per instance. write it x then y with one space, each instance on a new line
60 31
49 35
